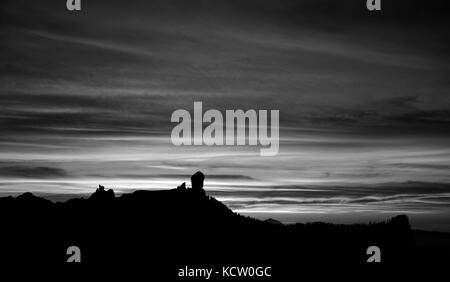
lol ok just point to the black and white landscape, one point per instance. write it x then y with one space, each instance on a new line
86 99
157 233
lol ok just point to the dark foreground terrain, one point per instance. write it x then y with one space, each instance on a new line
161 232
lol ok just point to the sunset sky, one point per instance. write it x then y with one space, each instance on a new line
364 99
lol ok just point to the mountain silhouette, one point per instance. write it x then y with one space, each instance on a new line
167 229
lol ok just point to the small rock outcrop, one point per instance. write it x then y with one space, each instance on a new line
182 187
102 194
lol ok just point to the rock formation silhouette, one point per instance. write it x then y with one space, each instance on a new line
197 180
182 187
102 195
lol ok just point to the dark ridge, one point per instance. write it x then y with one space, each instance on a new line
167 229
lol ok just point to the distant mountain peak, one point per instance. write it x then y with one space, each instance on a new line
273 221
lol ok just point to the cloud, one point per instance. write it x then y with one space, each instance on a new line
425 117
188 176
34 172
422 166
408 191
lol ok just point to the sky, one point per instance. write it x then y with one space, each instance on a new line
364 98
